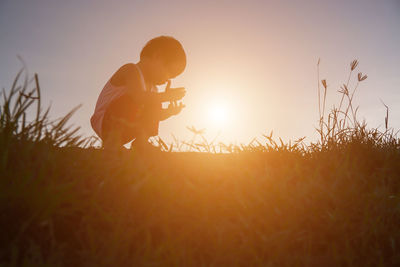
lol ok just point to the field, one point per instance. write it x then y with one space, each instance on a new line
65 203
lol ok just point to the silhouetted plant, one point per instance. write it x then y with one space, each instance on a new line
17 106
342 127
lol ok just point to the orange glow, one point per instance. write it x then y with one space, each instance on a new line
219 113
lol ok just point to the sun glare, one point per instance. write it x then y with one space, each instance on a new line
219 113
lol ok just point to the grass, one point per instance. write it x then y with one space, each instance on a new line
334 202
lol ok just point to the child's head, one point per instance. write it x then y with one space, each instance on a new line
166 58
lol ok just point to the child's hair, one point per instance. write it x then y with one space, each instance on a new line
170 50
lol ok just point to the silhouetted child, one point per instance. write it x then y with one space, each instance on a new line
130 106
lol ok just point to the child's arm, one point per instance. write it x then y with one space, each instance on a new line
133 81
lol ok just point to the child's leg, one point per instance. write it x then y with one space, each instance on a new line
118 126
141 140
113 140
148 126
121 124
151 118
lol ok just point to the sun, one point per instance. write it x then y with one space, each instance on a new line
219 113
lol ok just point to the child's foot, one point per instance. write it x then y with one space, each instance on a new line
144 146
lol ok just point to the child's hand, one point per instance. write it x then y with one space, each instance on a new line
173 94
174 109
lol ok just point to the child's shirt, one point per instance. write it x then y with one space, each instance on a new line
109 93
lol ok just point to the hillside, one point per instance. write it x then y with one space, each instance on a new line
65 203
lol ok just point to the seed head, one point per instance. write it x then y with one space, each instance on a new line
361 77
324 83
196 131
353 64
344 90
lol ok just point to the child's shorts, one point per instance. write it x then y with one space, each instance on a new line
122 118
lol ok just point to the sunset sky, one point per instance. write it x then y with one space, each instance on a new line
252 65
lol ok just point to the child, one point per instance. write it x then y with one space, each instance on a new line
130 106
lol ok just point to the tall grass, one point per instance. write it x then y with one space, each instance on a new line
267 203
342 125
15 127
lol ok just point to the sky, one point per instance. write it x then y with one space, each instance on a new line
251 65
